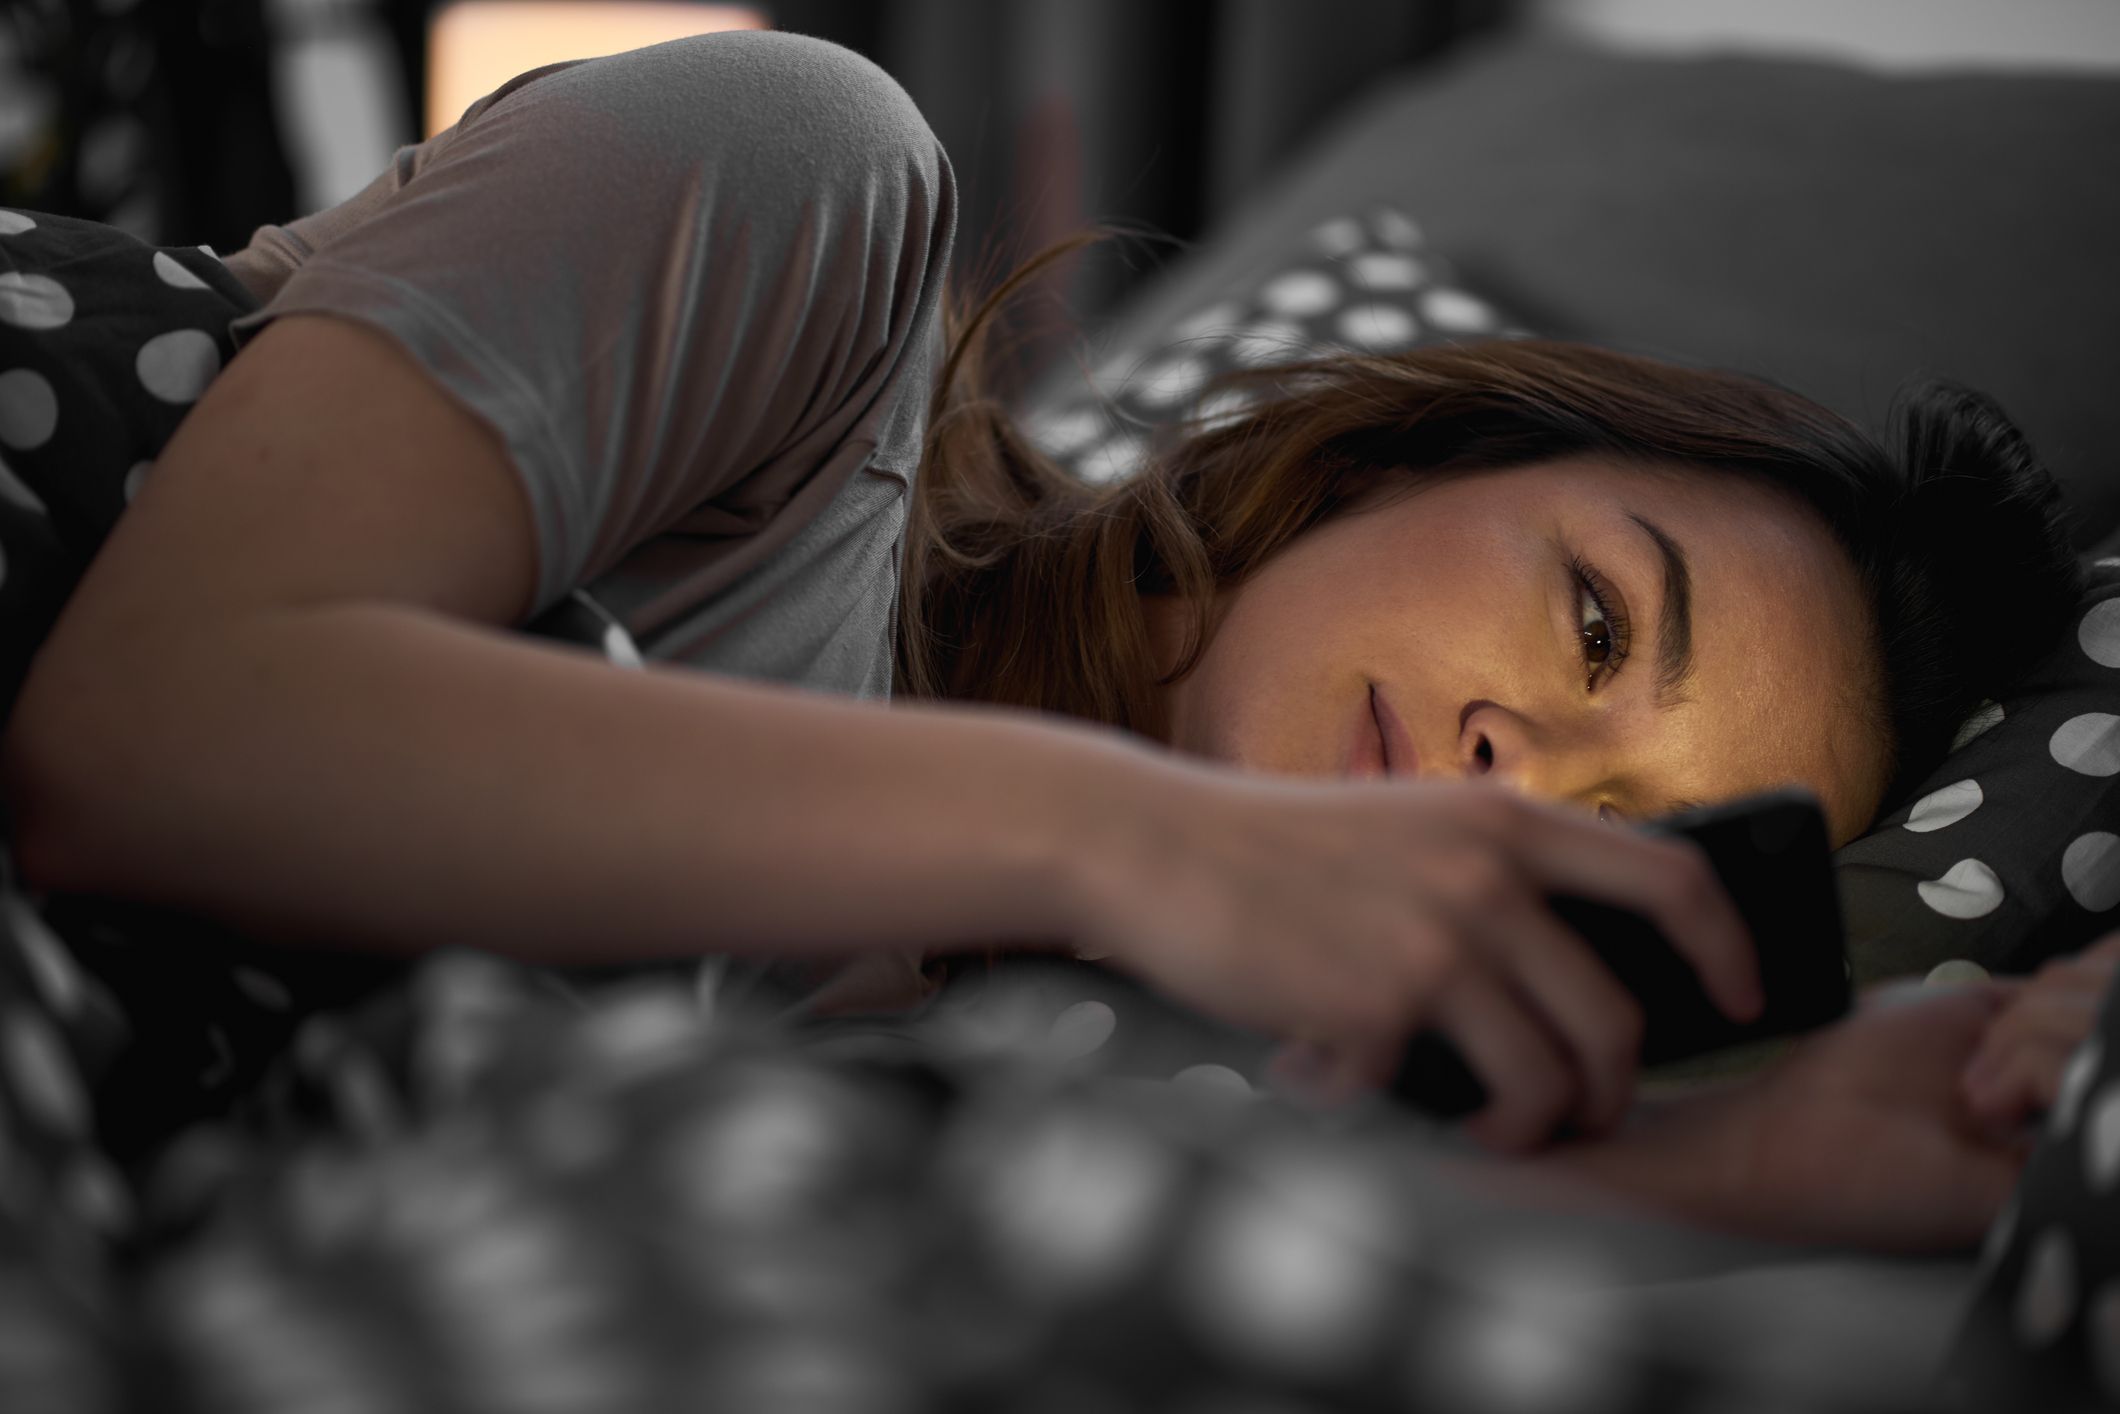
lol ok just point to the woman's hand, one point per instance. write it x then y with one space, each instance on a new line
1860 1135
1349 916
2015 1074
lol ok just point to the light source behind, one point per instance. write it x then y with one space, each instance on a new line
475 46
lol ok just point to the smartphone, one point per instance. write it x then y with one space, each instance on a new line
1772 855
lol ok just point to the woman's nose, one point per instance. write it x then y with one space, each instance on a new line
1498 746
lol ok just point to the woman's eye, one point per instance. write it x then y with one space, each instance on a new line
1603 629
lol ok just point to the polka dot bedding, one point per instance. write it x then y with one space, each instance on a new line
2044 1330
633 1195
233 1182
105 343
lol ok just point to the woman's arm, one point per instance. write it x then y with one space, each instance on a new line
277 697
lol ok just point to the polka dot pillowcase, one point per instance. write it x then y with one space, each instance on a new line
2009 853
1361 282
2006 856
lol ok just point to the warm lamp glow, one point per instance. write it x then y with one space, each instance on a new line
475 46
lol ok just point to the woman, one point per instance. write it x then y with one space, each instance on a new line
667 325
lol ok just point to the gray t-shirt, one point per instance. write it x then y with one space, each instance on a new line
696 290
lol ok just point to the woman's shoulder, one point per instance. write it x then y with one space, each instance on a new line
797 103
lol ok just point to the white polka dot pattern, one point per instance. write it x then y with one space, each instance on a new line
1170 382
50 965
1300 292
1065 433
1968 890
16 493
2047 1298
38 1066
1456 310
620 649
2088 743
2101 1139
1387 270
1379 328
1944 807
1338 237
1213 1079
1114 460
2076 1080
2090 870
177 366
1395 228
2099 634
1354 284
1999 1236
174 275
1220 408
1215 321
1082 1029
1987 715
29 409
1956 972
14 223
1273 341
1266 1282
34 301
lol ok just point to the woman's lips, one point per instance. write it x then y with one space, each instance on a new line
1365 752
1399 757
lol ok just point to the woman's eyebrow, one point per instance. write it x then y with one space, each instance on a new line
1674 630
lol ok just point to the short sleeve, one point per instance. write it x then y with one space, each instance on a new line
687 285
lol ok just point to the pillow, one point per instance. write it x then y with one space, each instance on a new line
1365 281
2007 854
1831 228
2004 857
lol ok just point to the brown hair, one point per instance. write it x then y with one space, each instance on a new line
1022 583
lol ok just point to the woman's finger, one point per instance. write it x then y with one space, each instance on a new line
1523 1067
2023 1082
1667 880
1580 1002
2043 1019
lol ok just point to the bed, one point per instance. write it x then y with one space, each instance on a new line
487 1186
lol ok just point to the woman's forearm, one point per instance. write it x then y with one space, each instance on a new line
386 778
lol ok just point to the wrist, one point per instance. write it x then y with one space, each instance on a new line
1680 1157
1106 819
1086 820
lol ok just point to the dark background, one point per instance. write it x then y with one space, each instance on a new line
160 115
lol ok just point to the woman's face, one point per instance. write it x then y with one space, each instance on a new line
1458 604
